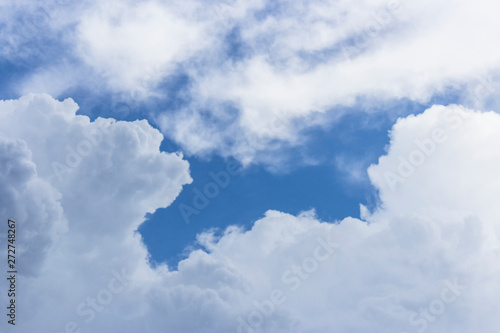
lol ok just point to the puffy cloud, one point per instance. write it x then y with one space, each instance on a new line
28 198
100 176
450 136
425 260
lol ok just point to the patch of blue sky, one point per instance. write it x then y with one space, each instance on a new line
236 49
272 8
127 106
10 73
248 195
357 136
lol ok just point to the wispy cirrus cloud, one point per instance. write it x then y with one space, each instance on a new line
247 62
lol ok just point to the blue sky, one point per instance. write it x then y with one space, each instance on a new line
325 187
292 186
365 135
251 193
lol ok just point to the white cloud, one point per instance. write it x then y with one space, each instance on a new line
143 37
431 244
413 50
104 177
26 196
299 59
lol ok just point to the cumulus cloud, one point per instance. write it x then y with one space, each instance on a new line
78 190
426 259
31 199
